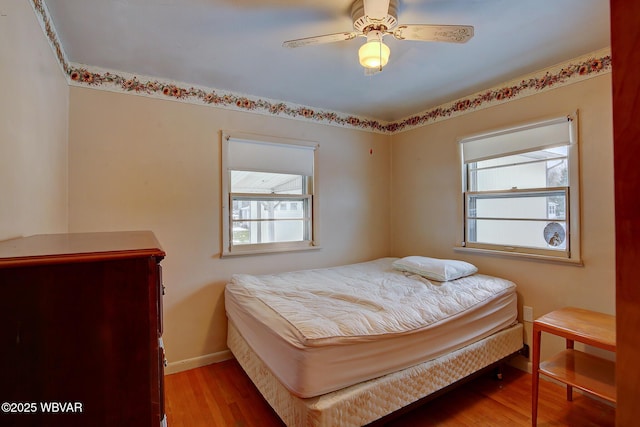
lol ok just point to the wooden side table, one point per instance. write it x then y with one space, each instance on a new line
585 371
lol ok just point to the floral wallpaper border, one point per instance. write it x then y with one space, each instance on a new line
82 75
579 69
49 30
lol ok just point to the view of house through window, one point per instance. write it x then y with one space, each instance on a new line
518 190
269 207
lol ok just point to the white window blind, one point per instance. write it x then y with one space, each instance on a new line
537 136
265 156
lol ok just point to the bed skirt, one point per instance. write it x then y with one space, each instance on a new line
371 400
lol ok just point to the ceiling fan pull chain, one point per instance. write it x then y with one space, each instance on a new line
380 53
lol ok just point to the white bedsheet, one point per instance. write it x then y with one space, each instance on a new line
324 329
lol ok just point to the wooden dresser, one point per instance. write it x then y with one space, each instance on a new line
80 330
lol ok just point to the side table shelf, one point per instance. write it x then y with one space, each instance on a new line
575 368
584 371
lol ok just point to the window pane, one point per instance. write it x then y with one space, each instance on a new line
557 173
551 205
533 234
266 183
251 232
270 219
267 208
546 154
538 169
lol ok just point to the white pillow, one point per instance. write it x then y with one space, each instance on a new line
441 270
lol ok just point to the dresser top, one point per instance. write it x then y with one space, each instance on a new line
77 247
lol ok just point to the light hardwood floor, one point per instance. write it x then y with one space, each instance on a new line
222 395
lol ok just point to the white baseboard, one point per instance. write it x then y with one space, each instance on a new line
197 362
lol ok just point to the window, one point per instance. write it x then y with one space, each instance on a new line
520 188
269 194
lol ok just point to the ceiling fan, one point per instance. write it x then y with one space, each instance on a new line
374 19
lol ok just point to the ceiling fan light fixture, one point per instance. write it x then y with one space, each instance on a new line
374 53
374 19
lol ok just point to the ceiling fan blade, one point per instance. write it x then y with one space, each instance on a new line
327 38
434 33
376 9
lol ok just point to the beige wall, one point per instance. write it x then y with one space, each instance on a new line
144 163
426 196
33 127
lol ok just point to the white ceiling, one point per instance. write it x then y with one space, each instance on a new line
236 46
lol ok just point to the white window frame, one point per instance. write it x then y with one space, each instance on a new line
228 248
495 147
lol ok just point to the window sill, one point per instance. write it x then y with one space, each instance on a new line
265 251
533 257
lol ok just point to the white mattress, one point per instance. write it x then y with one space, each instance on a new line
325 329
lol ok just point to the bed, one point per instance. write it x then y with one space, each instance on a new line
348 345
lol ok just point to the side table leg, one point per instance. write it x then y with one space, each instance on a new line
570 345
535 375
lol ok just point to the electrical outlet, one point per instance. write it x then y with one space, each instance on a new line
527 314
